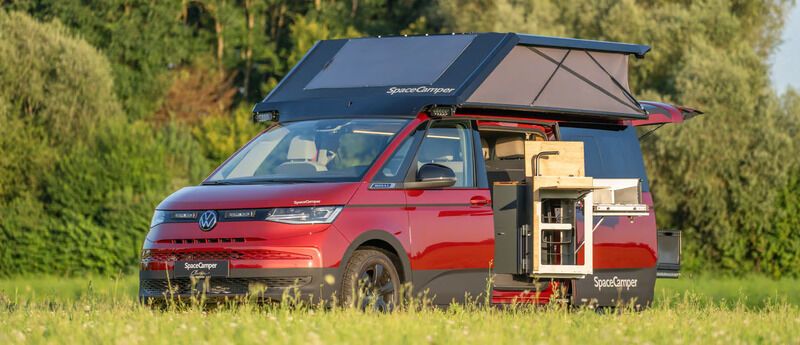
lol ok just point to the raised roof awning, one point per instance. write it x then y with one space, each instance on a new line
400 76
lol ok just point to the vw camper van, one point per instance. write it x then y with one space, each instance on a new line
447 165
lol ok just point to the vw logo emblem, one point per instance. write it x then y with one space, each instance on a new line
207 220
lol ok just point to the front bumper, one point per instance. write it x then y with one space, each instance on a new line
273 284
266 260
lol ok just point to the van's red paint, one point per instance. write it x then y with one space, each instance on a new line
621 242
527 296
447 231
662 113
259 196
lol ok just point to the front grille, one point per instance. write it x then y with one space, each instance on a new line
219 286
169 255
206 240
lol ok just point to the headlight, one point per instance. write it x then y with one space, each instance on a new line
305 215
158 218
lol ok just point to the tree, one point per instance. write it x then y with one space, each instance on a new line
78 179
142 39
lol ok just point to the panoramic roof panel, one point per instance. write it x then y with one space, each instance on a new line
391 61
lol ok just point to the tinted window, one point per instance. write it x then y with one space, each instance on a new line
449 143
610 153
390 61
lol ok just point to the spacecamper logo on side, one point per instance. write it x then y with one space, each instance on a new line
614 282
419 89
200 266
207 220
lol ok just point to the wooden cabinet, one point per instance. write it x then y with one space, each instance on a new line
560 192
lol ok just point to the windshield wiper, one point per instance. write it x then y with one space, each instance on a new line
286 180
217 182
257 181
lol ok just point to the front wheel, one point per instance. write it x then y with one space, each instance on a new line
371 281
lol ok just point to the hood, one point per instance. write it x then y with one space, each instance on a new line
221 197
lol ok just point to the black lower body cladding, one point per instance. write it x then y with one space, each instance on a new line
264 284
608 288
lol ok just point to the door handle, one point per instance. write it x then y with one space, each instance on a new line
477 201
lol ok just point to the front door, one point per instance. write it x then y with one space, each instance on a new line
452 242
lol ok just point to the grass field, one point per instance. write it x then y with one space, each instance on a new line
700 310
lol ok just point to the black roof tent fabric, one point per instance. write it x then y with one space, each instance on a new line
400 76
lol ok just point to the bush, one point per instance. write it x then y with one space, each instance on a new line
78 181
104 193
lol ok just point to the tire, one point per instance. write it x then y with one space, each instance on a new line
371 280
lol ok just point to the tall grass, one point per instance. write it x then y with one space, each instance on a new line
74 311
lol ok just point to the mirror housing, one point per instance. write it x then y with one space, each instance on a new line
432 175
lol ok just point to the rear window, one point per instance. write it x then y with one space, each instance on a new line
390 61
610 152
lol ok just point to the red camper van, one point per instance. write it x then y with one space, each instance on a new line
446 163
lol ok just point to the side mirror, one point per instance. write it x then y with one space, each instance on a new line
432 175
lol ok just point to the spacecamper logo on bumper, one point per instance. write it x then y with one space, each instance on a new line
614 282
200 266
419 89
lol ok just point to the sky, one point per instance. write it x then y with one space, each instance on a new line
786 63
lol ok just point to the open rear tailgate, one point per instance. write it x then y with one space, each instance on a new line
662 113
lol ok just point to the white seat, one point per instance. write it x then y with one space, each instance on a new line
302 151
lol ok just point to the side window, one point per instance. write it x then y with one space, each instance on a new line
449 143
394 170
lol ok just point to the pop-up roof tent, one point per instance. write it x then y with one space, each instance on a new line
401 76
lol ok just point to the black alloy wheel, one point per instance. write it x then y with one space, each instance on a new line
371 281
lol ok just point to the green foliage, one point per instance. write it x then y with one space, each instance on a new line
142 40
221 135
500 16
103 193
78 180
781 241
52 81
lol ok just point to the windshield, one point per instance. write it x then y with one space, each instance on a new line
315 150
